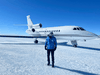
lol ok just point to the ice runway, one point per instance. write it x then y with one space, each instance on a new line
22 57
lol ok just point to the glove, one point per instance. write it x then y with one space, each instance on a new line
45 47
55 48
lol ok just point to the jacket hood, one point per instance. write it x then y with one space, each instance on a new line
49 37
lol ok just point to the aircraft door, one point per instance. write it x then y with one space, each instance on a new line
45 32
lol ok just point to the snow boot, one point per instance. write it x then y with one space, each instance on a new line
48 64
53 65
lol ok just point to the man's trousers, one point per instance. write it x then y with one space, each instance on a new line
52 56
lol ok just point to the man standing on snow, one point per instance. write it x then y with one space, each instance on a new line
50 46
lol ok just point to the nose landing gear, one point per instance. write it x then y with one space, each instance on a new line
74 43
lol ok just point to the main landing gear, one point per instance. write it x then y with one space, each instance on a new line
74 43
36 41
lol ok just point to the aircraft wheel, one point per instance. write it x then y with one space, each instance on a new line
36 41
74 45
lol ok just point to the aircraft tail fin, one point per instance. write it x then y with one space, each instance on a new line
29 22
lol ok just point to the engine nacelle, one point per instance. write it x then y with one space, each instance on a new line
33 30
40 25
36 26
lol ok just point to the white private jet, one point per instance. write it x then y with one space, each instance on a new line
72 33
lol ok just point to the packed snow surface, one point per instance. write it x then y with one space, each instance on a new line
20 56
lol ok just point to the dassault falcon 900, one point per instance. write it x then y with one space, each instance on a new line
72 33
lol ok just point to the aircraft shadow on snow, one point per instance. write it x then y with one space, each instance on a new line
76 71
61 43
90 48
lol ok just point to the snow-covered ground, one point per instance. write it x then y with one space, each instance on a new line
22 57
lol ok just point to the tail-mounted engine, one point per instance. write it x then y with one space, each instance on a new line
33 30
36 26
40 25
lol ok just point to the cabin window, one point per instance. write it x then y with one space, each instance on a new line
51 31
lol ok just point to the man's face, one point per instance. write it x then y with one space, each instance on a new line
50 36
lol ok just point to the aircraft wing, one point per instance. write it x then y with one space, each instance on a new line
18 36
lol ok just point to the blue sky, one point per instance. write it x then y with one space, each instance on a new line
83 13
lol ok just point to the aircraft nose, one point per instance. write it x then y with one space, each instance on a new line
96 35
93 34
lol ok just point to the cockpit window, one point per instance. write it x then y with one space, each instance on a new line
82 28
79 28
74 29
